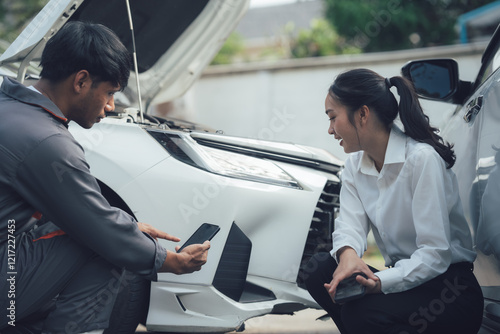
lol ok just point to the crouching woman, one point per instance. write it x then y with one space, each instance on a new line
398 184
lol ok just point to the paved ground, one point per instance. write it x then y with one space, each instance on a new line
303 322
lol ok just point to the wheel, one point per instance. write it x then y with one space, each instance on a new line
131 305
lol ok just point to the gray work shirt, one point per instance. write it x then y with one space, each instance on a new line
43 171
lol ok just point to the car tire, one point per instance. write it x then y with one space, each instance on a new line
131 305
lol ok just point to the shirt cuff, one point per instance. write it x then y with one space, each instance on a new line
391 280
160 256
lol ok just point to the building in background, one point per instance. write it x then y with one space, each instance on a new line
479 24
264 28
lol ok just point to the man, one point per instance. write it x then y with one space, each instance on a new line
69 242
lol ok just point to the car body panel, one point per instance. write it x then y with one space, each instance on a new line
475 144
261 209
474 129
289 149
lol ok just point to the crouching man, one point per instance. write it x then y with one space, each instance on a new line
68 242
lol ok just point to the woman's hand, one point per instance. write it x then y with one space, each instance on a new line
372 286
350 263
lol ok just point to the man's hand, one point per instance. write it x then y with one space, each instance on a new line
190 259
350 263
156 233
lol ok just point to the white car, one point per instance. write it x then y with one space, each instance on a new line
474 130
274 202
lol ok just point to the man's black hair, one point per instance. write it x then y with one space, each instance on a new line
86 46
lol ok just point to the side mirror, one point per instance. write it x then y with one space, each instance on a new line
434 79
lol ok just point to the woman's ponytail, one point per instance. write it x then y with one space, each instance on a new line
359 87
416 123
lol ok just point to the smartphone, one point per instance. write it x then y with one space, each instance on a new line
205 232
348 289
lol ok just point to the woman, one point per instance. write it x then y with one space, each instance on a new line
398 184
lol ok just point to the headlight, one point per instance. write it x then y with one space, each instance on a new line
185 149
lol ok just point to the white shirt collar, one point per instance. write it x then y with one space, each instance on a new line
395 153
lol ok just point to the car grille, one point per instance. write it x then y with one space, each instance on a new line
319 238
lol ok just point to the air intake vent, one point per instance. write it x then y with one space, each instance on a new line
231 274
319 238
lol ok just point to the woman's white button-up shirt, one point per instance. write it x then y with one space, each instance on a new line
413 208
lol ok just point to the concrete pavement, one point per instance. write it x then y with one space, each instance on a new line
302 322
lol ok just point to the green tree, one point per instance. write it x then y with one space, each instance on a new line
232 47
382 25
15 14
320 40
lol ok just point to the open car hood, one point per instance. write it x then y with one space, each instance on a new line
175 39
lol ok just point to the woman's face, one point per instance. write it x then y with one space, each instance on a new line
340 126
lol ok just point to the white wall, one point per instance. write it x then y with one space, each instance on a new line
285 101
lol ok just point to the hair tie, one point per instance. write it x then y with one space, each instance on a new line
388 82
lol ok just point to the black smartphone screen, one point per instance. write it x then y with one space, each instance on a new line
203 233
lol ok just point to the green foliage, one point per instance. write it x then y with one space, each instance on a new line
382 25
320 40
15 14
233 46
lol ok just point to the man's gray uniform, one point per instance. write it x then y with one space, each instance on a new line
76 253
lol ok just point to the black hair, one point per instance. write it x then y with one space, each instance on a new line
86 46
359 87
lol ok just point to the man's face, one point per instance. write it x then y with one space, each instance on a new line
95 100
